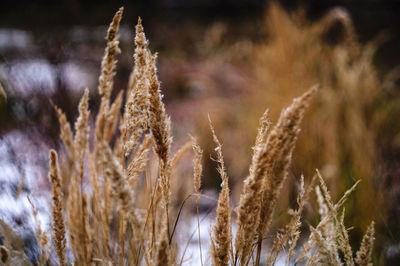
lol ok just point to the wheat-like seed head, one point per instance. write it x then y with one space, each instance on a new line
107 73
327 255
275 158
57 209
160 125
109 62
81 139
137 104
344 242
363 257
66 134
222 231
197 166
249 205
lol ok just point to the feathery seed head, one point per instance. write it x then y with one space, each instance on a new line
81 126
197 166
363 257
222 231
57 209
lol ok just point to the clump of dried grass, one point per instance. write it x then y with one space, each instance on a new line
106 224
340 129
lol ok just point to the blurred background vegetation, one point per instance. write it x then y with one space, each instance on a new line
230 59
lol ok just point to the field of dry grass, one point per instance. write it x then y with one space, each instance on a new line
123 187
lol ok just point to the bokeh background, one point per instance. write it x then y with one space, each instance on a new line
228 59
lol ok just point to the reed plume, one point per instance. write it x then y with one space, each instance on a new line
274 160
109 62
160 126
78 220
107 73
222 231
197 171
325 253
105 122
363 257
344 242
81 139
67 137
66 134
249 205
57 209
197 166
136 107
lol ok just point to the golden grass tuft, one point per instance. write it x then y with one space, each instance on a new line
118 196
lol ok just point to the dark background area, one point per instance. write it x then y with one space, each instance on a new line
369 16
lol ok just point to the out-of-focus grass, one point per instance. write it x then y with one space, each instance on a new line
350 133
